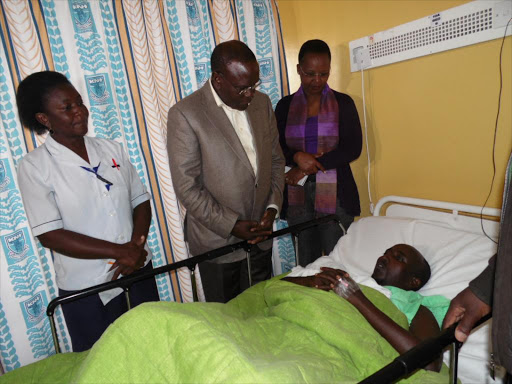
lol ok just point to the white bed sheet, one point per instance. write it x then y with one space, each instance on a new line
455 257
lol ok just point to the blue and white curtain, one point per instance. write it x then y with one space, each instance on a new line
131 61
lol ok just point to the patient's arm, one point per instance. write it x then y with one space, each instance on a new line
315 281
423 326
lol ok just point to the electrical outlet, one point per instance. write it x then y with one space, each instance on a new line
502 12
362 58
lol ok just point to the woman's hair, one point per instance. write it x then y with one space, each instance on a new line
314 46
31 97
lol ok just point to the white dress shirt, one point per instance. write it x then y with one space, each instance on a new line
242 128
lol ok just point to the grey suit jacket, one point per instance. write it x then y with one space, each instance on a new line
211 172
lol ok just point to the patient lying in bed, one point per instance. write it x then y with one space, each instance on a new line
402 266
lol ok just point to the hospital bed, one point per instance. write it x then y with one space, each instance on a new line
450 240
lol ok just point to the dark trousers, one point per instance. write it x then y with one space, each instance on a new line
319 240
88 318
223 282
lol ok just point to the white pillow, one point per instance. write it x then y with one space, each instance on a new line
455 256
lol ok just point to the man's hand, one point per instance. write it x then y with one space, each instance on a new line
308 163
467 308
130 259
293 176
267 219
249 230
264 227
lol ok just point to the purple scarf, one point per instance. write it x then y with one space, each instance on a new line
326 183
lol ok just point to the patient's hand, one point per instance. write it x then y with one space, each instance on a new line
348 289
341 282
326 280
315 281
332 274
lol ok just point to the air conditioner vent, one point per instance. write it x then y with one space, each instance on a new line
446 30
457 27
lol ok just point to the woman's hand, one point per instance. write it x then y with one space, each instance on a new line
131 258
308 163
293 176
128 257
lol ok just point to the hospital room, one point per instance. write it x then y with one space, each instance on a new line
178 206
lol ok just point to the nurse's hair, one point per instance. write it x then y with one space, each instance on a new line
31 97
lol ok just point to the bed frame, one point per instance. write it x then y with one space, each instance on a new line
467 217
461 216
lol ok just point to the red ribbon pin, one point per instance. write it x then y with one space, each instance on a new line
115 164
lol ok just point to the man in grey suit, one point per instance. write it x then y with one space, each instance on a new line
227 169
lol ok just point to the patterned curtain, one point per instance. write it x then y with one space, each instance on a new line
131 61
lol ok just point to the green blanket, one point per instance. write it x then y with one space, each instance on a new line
274 332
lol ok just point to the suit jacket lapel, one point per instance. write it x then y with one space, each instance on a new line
220 121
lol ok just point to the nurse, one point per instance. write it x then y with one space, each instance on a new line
85 202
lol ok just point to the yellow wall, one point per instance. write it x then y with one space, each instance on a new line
431 119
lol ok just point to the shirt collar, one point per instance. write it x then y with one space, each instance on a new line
52 145
219 101
57 149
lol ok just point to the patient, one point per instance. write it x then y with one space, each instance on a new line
402 266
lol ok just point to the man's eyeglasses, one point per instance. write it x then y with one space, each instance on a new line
311 75
243 91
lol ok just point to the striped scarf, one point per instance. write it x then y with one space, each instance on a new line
328 116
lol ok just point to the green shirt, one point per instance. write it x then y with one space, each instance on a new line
408 302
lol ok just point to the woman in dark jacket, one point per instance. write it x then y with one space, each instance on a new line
320 135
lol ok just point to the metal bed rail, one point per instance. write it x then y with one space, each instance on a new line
126 281
421 355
